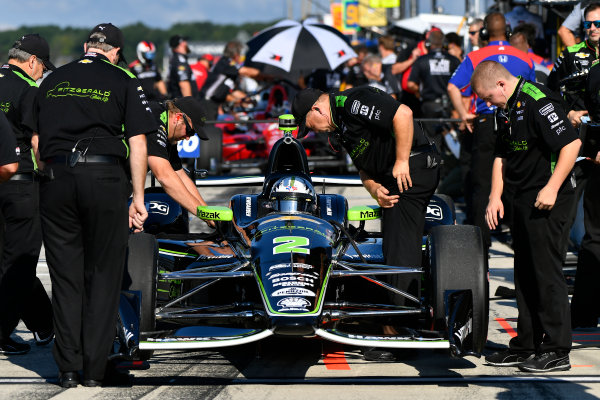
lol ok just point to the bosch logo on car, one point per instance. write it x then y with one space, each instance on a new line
158 207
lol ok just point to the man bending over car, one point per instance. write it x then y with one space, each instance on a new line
177 119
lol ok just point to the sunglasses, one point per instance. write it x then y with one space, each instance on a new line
588 24
189 132
472 32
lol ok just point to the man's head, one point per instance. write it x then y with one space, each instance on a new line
312 112
207 59
372 67
474 28
591 23
233 50
32 54
108 40
495 23
179 44
493 83
386 45
519 41
523 33
361 52
455 43
186 117
435 39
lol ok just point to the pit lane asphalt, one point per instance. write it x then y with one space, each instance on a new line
310 368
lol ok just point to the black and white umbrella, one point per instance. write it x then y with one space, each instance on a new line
293 46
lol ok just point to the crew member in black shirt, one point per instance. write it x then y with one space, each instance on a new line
535 153
22 295
178 119
429 77
92 116
181 81
9 160
397 164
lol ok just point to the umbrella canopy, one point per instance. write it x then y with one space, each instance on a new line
293 46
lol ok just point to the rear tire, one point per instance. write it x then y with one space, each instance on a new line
458 262
211 151
141 274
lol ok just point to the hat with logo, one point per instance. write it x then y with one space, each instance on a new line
301 105
109 34
35 45
176 39
192 107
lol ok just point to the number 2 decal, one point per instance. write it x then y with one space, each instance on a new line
291 244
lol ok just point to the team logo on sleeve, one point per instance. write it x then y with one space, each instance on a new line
355 107
547 109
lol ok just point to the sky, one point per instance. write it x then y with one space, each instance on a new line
160 13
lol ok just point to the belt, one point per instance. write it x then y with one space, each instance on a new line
426 148
25 176
89 159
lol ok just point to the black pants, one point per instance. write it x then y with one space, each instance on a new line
22 295
482 160
85 228
585 305
402 225
542 297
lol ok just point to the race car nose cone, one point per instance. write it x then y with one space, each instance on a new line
293 327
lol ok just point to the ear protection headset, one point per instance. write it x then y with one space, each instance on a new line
484 33
428 38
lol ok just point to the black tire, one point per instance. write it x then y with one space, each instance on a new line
141 272
458 262
211 151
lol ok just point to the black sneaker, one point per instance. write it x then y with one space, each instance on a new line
546 362
42 338
506 358
10 347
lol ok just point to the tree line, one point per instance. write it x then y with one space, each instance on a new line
67 43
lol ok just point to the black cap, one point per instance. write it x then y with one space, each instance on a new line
35 45
176 39
193 109
110 35
302 104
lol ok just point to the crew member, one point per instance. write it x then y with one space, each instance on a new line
380 78
147 72
482 124
221 85
181 78
178 119
85 218
22 295
535 154
397 164
585 304
429 78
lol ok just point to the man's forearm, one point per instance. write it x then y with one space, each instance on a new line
138 163
190 186
172 183
564 164
497 178
186 88
457 100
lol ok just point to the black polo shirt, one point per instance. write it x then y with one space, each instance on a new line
180 71
8 154
537 130
363 117
17 96
93 104
158 143
221 80
433 71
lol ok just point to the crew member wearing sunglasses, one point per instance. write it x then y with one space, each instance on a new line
474 29
571 68
178 119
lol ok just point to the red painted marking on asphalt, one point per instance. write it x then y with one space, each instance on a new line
334 357
505 325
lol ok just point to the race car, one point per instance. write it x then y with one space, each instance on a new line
294 263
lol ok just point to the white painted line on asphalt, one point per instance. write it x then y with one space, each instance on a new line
420 380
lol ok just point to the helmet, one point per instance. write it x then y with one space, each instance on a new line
293 194
145 51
